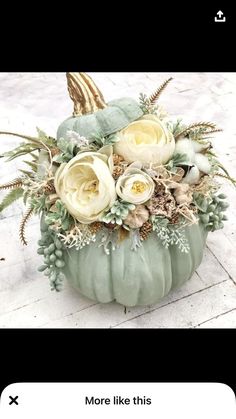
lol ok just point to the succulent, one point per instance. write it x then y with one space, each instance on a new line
51 248
60 216
118 212
211 210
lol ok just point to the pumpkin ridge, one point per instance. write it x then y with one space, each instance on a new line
116 116
133 278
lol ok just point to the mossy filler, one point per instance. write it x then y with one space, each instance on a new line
126 196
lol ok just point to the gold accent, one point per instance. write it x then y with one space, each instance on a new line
85 94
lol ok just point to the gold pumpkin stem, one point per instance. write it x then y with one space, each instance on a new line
85 94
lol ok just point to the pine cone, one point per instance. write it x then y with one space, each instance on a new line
175 218
117 172
95 227
145 230
49 189
110 226
117 159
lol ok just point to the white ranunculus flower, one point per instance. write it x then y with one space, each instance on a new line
135 186
86 186
147 140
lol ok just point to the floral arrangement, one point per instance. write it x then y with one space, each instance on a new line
156 175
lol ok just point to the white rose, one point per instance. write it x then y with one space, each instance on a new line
135 186
147 140
86 186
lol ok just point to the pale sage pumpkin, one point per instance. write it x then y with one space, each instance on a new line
141 277
131 278
92 116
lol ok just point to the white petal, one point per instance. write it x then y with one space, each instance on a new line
185 146
202 163
200 147
192 176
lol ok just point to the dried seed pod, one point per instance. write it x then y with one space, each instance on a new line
137 217
145 230
49 188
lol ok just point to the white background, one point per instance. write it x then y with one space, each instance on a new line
169 401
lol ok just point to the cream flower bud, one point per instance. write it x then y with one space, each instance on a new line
146 140
135 186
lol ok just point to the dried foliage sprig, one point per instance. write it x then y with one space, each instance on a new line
23 223
232 180
212 131
42 137
207 125
14 134
14 184
11 197
153 98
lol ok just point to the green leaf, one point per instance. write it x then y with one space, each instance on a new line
41 133
101 141
49 141
11 197
27 173
38 203
177 160
25 197
22 149
145 104
67 151
175 126
33 165
61 216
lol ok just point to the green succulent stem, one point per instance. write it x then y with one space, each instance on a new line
211 210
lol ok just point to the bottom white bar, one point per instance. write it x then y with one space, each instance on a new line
118 401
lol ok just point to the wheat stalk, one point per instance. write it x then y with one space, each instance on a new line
24 220
213 131
14 184
226 177
153 98
209 125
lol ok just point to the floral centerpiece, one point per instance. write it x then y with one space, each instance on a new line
126 195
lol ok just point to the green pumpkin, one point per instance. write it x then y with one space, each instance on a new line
92 116
116 116
141 277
